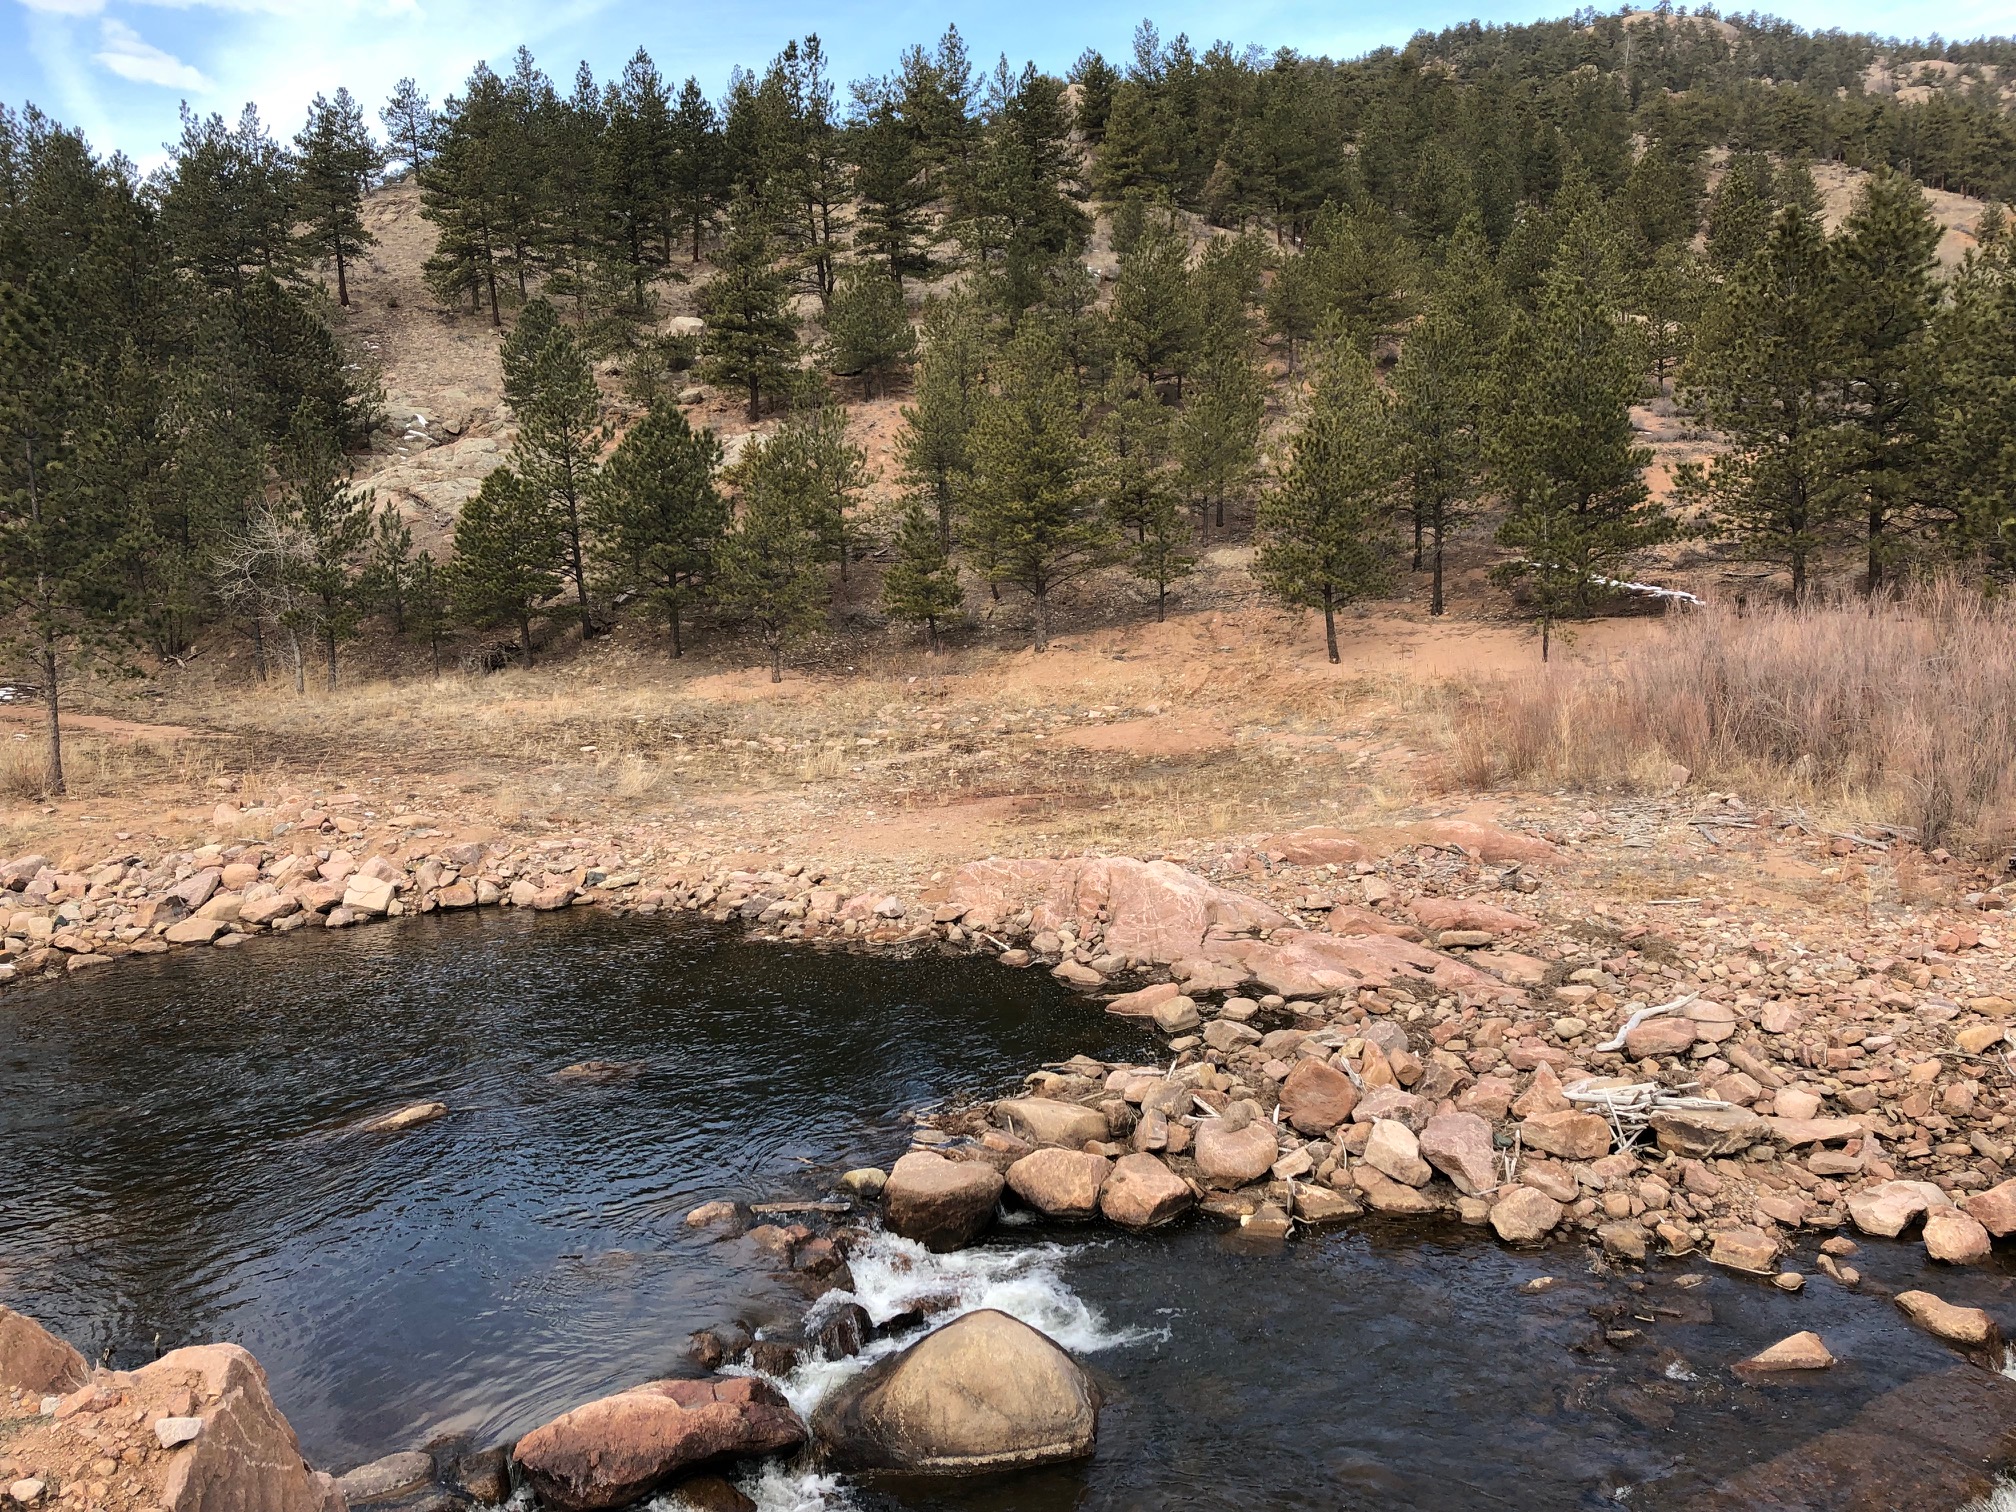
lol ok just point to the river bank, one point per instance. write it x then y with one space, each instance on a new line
1248 928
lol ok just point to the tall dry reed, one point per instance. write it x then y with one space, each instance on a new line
1902 711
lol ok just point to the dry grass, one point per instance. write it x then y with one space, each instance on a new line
1900 712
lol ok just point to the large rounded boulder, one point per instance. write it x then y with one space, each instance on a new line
942 1204
985 1392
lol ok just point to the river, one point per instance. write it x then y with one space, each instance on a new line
181 1165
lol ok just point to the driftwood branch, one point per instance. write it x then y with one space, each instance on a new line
1643 1014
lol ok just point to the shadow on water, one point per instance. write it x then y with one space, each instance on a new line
177 1167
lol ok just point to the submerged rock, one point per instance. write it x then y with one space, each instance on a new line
386 1478
985 1392
942 1204
410 1116
617 1449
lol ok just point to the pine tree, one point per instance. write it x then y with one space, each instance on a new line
921 585
751 339
228 201
1441 400
658 517
811 459
1669 299
947 387
1888 291
892 189
338 162
1032 521
507 556
61 531
465 194
770 565
330 523
697 169
1562 454
1132 455
389 577
1974 446
427 605
868 331
1324 536
519 353
409 122
636 171
559 447
1154 318
1218 437
1739 213
1766 373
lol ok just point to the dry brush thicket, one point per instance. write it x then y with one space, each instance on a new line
1897 711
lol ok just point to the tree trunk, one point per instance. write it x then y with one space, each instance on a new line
931 633
1419 529
1161 601
1435 587
434 638
54 777
777 660
342 283
329 648
1330 623
1798 577
755 394
258 644
1042 620
1876 520
525 634
1546 636
300 662
678 646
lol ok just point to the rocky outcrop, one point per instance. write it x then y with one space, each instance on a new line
1304 963
1317 845
985 1392
244 1456
617 1449
34 1360
942 1204
1154 910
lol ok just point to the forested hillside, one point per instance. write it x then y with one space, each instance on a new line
985 335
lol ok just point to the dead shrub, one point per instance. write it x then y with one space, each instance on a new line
24 769
1902 710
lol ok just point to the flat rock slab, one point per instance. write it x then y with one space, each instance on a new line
1935 1443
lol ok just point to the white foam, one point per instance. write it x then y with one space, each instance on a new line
893 1276
2001 1496
775 1488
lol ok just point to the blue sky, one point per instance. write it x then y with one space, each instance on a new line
120 68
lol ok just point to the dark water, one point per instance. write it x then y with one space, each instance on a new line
174 1165
174 1162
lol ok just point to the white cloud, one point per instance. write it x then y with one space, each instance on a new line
123 52
66 7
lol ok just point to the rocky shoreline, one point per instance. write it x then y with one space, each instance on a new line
1348 1030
